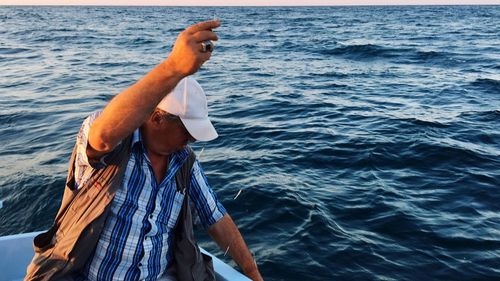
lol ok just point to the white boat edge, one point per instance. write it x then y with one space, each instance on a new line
16 251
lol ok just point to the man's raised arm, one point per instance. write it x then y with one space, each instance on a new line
128 110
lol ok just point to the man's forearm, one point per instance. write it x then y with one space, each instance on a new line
226 234
128 110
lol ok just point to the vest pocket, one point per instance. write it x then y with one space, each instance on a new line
45 240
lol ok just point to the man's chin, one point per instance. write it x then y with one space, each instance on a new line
175 150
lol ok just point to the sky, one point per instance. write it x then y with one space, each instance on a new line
243 2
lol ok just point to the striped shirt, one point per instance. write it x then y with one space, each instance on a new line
136 242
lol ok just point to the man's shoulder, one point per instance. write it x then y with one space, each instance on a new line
92 116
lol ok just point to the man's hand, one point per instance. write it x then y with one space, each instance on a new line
187 55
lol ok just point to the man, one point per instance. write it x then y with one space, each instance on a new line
160 114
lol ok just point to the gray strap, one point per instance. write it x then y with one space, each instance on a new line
190 263
183 175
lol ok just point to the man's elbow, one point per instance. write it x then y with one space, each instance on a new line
221 226
99 141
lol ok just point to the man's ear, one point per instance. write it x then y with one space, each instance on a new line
156 118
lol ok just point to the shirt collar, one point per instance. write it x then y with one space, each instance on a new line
136 138
137 143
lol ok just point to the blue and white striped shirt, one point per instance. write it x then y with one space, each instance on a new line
135 243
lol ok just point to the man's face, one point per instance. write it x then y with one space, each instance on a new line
168 136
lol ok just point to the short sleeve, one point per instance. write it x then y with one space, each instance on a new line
208 207
83 169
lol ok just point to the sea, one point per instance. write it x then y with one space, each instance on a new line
356 143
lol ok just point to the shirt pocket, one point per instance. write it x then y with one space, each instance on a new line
176 209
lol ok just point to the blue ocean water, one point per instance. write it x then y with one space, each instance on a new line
363 142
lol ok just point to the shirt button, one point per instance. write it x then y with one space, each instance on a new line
150 216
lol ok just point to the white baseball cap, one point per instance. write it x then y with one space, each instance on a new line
188 101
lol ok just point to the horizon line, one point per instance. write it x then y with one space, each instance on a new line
313 5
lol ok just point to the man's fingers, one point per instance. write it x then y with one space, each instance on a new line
204 36
205 56
205 25
188 53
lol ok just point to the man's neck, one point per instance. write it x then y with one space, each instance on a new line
159 163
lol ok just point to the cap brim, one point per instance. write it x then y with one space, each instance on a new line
200 129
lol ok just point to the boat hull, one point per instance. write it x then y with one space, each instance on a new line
16 251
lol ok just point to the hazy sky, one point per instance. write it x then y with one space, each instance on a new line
241 2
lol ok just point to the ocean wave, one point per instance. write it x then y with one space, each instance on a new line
11 51
481 116
8 119
73 38
429 122
430 55
330 74
142 41
106 64
396 55
395 223
364 51
458 242
491 85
